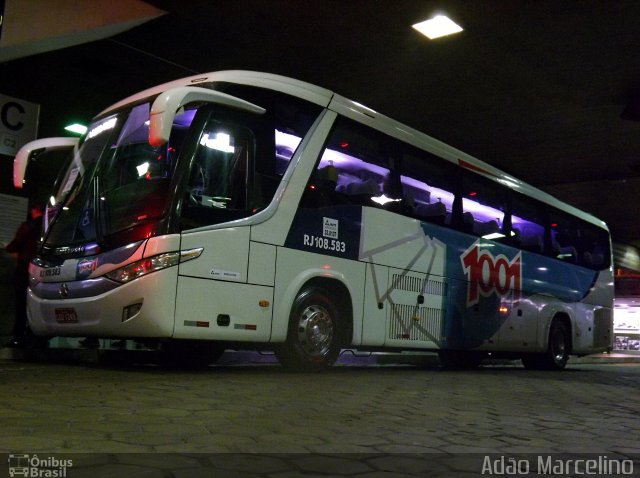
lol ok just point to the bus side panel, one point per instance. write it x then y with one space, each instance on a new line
415 314
594 318
519 332
225 254
502 298
262 263
214 301
469 326
414 296
398 241
219 310
295 268
375 307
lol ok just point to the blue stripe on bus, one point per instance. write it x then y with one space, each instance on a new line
540 274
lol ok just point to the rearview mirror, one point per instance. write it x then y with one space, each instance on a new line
165 106
33 148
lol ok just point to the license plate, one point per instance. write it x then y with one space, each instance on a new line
66 316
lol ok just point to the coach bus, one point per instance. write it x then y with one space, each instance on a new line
244 208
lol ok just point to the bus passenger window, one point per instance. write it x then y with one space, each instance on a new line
528 221
220 176
286 144
427 180
484 204
351 170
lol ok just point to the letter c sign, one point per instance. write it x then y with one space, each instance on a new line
18 123
9 113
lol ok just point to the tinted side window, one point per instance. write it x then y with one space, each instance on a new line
528 224
578 242
221 175
355 168
484 203
290 119
360 165
430 182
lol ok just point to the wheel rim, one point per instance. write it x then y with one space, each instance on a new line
315 331
558 346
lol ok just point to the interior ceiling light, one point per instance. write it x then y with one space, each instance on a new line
437 27
76 128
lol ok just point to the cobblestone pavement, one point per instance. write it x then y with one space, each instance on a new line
364 421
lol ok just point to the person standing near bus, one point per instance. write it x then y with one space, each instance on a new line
23 247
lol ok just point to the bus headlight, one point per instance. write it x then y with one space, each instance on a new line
151 264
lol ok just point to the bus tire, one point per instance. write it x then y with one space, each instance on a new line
314 336
557 354
460 359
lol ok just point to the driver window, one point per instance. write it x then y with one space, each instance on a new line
220 175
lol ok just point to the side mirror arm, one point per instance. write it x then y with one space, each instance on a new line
24 155
165 106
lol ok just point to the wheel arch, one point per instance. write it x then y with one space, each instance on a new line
334 283
548 315
340 293
565 319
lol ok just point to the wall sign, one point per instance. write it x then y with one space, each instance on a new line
18 123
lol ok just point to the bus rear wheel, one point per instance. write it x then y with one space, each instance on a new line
557 354
314 336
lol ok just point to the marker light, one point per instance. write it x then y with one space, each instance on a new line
76 128
437 27
152 264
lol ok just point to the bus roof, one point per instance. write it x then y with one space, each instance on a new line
363 114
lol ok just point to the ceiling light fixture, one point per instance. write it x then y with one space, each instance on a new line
437 27
76 128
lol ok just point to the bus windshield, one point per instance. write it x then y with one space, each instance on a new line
116 172
118 189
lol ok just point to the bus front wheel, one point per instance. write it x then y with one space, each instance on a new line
313 339
558 349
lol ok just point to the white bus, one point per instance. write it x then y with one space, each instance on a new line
247 209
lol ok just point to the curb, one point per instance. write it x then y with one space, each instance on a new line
245 357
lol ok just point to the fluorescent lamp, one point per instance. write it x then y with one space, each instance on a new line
497 235
493 235
142 168
102 127
382 200
76 128
222 142
437 27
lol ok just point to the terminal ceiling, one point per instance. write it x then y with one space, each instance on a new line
546 90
